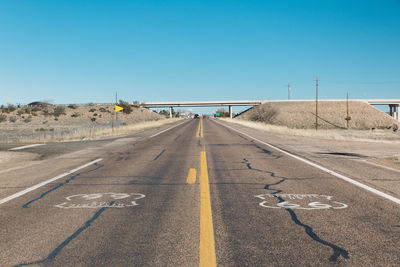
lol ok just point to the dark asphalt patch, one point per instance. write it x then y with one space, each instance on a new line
342 154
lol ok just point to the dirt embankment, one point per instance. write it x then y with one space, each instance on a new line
53 115
331 115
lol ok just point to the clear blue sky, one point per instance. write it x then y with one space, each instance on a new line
83 51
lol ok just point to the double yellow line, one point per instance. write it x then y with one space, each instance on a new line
200 133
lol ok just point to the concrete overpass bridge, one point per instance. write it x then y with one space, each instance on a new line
392 103
228 104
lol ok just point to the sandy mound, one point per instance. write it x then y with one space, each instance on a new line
331 115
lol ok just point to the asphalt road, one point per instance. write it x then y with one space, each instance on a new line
197 194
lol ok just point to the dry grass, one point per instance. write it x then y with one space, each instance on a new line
335 134
332 114
125 129
98 133
56 123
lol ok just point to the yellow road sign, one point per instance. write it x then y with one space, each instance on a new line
118 108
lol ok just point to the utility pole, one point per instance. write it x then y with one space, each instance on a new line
112 120
116 103
316 106
288 91
347 111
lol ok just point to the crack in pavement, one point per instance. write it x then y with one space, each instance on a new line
159 155
177 137
266 151
337 251
272 174
58 249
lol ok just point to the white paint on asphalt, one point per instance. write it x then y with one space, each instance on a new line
299 201
154 135
28 146
102 200
345 178
29 189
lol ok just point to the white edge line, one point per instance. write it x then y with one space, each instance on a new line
23 147
347 179
167 129
29 189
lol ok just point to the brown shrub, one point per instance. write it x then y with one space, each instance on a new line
73 106
263 113
3 118
29 119
59 110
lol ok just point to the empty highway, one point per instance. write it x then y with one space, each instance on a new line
201 192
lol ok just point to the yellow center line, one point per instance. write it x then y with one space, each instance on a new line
191 178
199 132
207 247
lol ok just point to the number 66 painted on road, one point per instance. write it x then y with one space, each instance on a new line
311 206
269 200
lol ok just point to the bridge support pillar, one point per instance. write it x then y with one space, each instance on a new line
394 111
230 112
170 112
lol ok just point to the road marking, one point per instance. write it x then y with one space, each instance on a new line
207 246
29 189
200 132
23 147
191 178
299 201
345 178
154 135
101 200
202 128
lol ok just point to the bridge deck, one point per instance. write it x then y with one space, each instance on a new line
257 102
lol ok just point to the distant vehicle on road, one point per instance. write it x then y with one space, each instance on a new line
196 116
